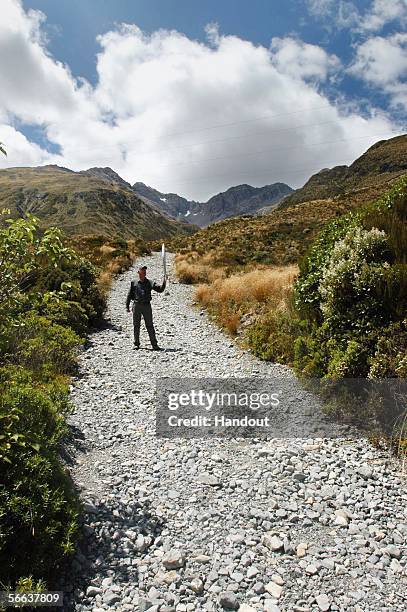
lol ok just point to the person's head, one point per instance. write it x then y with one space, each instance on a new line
142 271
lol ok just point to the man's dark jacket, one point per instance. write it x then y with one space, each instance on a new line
140 291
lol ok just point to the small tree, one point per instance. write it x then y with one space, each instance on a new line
23 250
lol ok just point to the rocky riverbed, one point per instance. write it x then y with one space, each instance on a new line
312 522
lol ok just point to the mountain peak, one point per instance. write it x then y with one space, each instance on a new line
237 200
106 174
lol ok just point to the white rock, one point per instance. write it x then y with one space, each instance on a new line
277 579
323 602
302 549
197 585
269 606
173 559
91 591
274 589
272 542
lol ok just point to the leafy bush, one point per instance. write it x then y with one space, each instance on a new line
348 359
307 296
48 295
389 214
311 354
64 312
348 297
46 347
272 336
390 355
38 507
73 281
352 294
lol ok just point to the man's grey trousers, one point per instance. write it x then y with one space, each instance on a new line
143 310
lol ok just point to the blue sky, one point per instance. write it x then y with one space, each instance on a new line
195 96
259 21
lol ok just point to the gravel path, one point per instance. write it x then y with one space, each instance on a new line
307 523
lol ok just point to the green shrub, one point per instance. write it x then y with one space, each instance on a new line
48 295
389 358
35 264
348 360
272 336
46 348
65 312
38 505
73 281
312 265
352 294
33 411
389 214
311 355
349 300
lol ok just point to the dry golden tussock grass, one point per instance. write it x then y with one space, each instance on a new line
256 285
106 249
252 291
192 269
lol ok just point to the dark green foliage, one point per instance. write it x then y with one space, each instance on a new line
313 263
45 347
36 504
77 280
352 294
272 336
38 508
390 215
389 358
48 298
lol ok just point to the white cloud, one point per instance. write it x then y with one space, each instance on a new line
345 14
382 62
301 60
21 150
383 12
348 15
179 114
320 8
336 14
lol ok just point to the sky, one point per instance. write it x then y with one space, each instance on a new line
194 96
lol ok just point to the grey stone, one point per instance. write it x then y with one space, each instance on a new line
272 542
209 479
110 598
274 589
228 600
197 585
173 559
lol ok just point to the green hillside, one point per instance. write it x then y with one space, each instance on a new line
82 204
366 179
283 236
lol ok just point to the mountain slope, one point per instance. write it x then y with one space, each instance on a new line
364 179
283 236
241 200
238 200
170 203
87 202
106 174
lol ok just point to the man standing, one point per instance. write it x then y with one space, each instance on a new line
140 294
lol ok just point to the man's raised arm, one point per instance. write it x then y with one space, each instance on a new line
157 287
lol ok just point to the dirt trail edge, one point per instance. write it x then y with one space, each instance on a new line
307 523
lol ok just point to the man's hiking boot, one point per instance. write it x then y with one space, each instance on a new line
157 348
136 346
